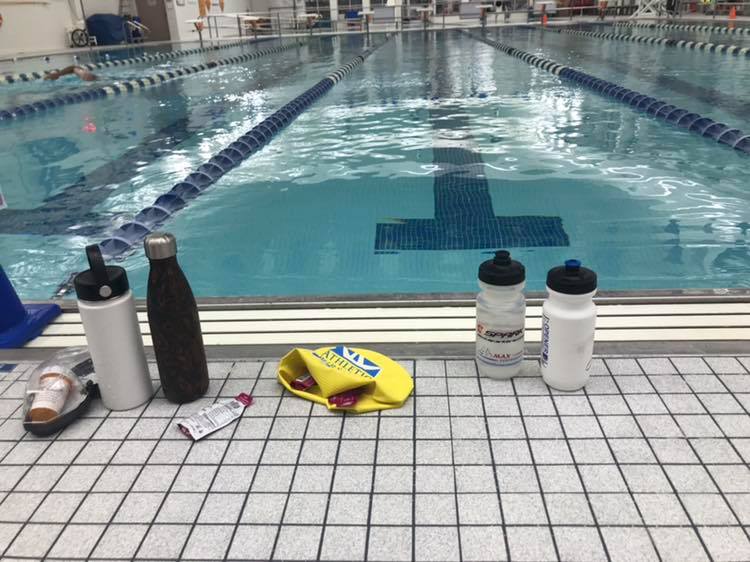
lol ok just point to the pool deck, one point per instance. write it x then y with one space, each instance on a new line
649 462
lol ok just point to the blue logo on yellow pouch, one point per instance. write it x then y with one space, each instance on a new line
349 360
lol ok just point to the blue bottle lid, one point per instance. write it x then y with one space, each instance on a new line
571 279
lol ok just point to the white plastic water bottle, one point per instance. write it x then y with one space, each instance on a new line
501 313
107 309
568 322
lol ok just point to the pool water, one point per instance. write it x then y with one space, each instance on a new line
19 92
403 178
42 63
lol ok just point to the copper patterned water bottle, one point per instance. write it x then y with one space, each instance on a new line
175 327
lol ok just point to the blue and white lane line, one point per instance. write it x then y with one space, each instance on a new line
666 41
123 240
693 122
130 86
31 76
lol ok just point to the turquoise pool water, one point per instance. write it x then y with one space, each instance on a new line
403 177
19 92
40 63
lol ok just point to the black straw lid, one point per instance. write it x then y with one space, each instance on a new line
101 282
571 279
502 270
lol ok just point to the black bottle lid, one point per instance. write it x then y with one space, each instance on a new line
101 282
502 270
571 279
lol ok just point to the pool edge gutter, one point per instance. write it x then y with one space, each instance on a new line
676 296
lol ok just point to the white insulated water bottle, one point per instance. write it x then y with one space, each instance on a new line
501 314
107 309
568 322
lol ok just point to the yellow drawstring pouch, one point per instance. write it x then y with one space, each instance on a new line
343 378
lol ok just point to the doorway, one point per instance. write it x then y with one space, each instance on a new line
153 15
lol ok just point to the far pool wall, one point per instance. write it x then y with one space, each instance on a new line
178 15
29 28
43 26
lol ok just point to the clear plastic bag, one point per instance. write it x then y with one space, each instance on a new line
59 391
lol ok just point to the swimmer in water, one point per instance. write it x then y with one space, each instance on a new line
79 71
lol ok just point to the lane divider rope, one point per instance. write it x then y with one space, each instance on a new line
695 45
130 86
683 118
691 27
31 76
122 241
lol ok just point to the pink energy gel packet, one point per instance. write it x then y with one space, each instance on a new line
212 418
303 382
345 399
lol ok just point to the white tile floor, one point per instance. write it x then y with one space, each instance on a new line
649 463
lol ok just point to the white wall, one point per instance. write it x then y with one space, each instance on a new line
44 25
34 27
97 7
177 16
259 5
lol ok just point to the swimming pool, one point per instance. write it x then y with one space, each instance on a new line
403 177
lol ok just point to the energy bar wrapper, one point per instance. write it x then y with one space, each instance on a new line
212 418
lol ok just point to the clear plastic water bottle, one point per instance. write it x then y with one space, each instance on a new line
568 323
501 314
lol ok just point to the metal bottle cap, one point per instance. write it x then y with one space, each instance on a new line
160 245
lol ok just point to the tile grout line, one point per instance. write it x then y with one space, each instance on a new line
415 366
414 444
218 467
344 418
536 470
518 390
144 440
493 462
731 393
291 480
660 465
414 465
105 466
29 367
619 469
695 452
458 416
453 463
448 525
57 481
372 488
278 464
723 383
125 495
10 417
578 473
255 473
182 465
